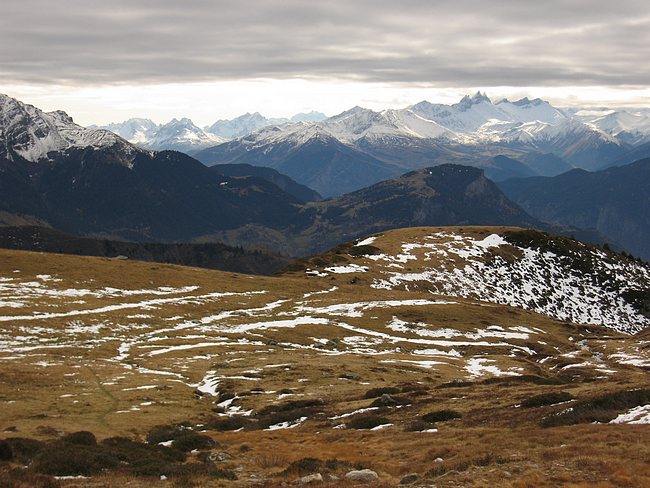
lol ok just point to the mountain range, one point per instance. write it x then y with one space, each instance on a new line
538 139
183 135
91 182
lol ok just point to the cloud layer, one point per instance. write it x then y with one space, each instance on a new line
434 43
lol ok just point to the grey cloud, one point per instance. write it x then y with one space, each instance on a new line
446 43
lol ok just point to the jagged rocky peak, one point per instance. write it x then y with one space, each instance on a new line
466 102
527 101
31 134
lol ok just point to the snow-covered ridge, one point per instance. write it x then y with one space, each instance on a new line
32 134
565 280
184 135
178 135
474 120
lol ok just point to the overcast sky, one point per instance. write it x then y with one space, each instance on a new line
108 60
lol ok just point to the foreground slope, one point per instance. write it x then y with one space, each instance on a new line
287 376
545 273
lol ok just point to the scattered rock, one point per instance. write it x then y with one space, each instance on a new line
409 478
384 401
312 478
362 476
217 457
350 376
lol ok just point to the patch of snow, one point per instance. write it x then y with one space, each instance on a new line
350 268
636 415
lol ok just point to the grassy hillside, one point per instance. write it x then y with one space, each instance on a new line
248 379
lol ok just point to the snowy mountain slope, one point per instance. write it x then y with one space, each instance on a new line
526 110
631 128
31 134
181 135
358 123
178 135
242 125
545 273
136 131
312 116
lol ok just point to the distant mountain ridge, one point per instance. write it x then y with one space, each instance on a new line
614 201
183 135
301 192
92 182
543 139
441 195
207 255
467 132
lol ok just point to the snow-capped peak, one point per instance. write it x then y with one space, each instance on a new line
467 102
32 134
526 110
177 134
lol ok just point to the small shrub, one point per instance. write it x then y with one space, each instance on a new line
304 466
81 438
456 384
419 426
143 459
24 449
441 416
190 471
366 422
547 399
363 250
309 465
164 433
189 441
6 453
377 392
436 471
414 388
291 405
600 409
61 459
225 395
22 478
229 424
288 412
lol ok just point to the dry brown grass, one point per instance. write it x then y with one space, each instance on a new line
493 443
